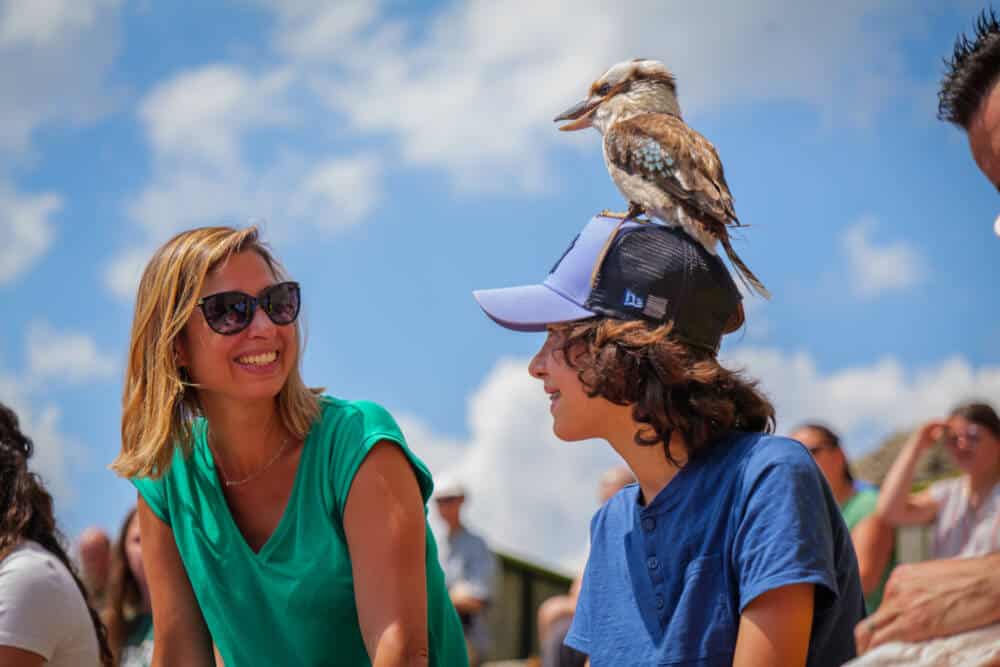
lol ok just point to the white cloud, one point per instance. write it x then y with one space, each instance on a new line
474 91
203 114
874 269
200 124
534 495
55 56
865 403
340 192
529 493
27 230
41 22
64 356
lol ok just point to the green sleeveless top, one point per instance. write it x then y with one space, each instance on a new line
292 603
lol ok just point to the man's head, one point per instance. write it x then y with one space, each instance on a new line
969 95
449 496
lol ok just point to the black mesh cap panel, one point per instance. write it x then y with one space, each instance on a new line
660 274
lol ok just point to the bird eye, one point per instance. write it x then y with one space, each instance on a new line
604 89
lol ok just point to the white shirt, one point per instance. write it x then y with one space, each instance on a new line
961 531
42 610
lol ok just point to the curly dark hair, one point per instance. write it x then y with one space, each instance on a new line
669 384
27 510
971 71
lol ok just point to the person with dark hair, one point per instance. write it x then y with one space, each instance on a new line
129 615
873 539
965 511
969 96
731 548
45 617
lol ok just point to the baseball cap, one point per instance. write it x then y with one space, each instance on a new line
635 270
448 487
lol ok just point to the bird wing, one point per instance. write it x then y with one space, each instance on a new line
663 150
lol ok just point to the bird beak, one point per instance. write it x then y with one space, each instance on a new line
580 114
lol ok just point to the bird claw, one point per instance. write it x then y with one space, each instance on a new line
634 212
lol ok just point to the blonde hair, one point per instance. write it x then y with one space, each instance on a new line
160 403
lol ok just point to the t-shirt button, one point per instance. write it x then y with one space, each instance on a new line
659 602
648 523
652 563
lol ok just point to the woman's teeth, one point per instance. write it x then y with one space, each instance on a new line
257 359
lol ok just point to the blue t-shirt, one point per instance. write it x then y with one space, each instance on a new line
666 583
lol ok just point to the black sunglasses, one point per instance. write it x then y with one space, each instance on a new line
229 313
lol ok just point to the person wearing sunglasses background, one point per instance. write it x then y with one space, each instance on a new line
965 511
284 526
874 541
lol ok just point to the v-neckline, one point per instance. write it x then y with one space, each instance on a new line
279 530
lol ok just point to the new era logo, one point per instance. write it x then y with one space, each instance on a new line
633 300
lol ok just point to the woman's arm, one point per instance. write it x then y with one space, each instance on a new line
386 536
873 541
896 505
180 636
775 628
11 656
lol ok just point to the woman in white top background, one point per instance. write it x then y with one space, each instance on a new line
44 614
965 510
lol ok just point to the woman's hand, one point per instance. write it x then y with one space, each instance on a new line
387 538
896 505
929 433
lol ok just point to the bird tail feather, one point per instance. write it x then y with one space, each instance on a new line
746 276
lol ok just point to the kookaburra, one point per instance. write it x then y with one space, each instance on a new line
663 167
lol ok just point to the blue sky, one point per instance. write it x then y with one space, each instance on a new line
398 156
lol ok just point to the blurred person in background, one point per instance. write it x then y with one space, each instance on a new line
947 597
469 569
874 540
94 547
964 511
45 618
555 615
129 616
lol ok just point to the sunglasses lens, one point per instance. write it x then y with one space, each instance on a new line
228 312
282 303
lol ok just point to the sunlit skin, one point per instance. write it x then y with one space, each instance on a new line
830 461
974 449
239 398
984 136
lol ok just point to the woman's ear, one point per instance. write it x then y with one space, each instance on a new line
180 352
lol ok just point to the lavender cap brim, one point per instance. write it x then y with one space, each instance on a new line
528 307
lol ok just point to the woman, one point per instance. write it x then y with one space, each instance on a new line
730 550
129 617
965 511
287 527
44 614
873 539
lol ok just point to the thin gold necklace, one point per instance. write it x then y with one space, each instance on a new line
260 471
